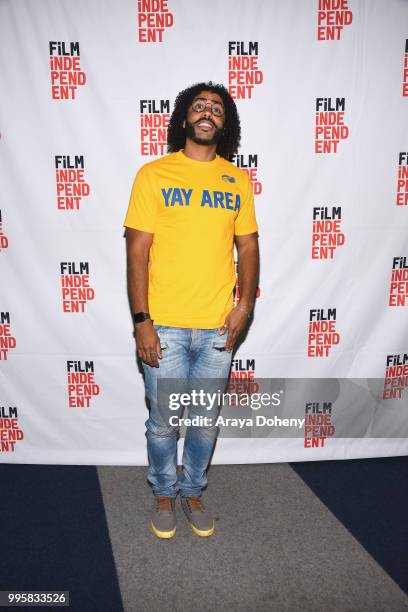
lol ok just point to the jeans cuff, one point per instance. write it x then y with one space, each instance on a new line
172 495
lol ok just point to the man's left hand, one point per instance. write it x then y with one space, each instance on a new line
235 322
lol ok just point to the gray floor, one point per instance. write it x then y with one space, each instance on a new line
276 548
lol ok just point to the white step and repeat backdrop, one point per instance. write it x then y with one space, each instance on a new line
87 90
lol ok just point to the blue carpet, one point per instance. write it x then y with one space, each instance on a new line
54 535
370 498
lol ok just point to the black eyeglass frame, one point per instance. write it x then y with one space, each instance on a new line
212 105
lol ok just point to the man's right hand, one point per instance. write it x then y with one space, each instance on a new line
148 343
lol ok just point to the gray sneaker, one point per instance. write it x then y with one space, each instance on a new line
200 520
163 521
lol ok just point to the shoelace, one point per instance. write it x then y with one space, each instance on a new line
195 503
163 503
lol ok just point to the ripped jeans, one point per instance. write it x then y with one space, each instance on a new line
198 358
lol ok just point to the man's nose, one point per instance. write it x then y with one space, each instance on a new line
207 110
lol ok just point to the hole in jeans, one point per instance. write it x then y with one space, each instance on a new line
218 346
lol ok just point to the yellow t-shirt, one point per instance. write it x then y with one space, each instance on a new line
194 209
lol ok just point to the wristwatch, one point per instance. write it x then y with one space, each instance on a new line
139 317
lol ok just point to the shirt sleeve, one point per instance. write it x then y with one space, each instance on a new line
245 222
143 209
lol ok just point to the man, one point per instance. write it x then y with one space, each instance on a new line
185 211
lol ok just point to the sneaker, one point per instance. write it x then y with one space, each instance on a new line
163 521
200 520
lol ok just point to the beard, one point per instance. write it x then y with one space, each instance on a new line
214 139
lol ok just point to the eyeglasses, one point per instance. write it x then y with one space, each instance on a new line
200 104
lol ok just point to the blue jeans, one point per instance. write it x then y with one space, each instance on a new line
198 358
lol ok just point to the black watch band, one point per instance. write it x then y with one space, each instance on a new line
138 317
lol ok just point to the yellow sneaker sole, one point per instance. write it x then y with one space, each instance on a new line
163 534
200 532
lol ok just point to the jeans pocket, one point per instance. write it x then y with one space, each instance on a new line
163 343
